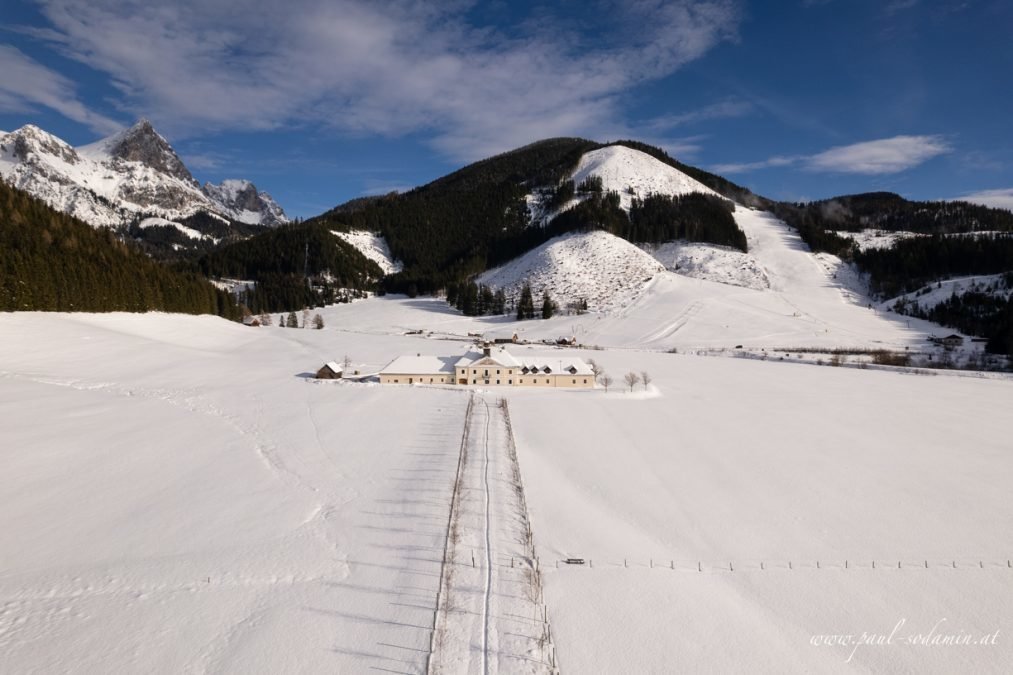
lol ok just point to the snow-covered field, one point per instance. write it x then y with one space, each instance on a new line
772 478
180 498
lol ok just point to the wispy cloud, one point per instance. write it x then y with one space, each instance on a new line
883 156
743 167
896 6
720 110
390 68
999 199
887 155
26 84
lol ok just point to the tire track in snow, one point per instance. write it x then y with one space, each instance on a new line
488 547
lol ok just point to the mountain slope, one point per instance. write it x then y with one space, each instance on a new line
634 174
606 271
492 211
53 262
122 178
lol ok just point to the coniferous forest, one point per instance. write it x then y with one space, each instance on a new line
449 230
53 262
295 266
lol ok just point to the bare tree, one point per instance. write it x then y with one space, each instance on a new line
346 365
645 377
606 380
596 370
305 317
632 379
265 319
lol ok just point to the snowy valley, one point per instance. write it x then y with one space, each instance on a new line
187 497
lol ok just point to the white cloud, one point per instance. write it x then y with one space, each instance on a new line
25 84
899 6
720 110
887 155
883 156
999 199
378 68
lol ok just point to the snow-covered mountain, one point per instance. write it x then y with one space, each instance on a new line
117 179
633 173
241 200
608 271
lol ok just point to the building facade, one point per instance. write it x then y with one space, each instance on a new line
488 367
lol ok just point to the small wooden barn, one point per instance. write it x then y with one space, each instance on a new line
329 371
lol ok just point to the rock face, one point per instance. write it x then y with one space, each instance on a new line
131 174
141 143
245 203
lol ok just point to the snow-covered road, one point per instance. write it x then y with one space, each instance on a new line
491 617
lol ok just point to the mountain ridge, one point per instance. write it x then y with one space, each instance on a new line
117 180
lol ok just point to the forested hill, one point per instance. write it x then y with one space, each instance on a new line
458 225
478 216
53 262
280 261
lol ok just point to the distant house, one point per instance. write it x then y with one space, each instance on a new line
489 366
953 340
329 371
251 320
502 338
950 341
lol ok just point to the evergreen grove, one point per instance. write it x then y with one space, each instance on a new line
53 262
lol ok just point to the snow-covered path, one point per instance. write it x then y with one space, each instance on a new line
490 618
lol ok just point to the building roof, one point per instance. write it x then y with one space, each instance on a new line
419 365
500 356
333 365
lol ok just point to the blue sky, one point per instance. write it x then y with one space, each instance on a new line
319 101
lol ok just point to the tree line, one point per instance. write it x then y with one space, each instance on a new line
53 262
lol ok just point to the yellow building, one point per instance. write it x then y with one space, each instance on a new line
490 366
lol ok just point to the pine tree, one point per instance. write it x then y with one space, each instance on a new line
292 321
318 322
548 306
526 305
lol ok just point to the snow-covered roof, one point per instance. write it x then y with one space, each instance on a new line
497 355
334 366
418 365
539 364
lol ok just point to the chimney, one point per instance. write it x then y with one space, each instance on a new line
487 348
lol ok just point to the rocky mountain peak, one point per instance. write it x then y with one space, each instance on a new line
141 143
31 139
